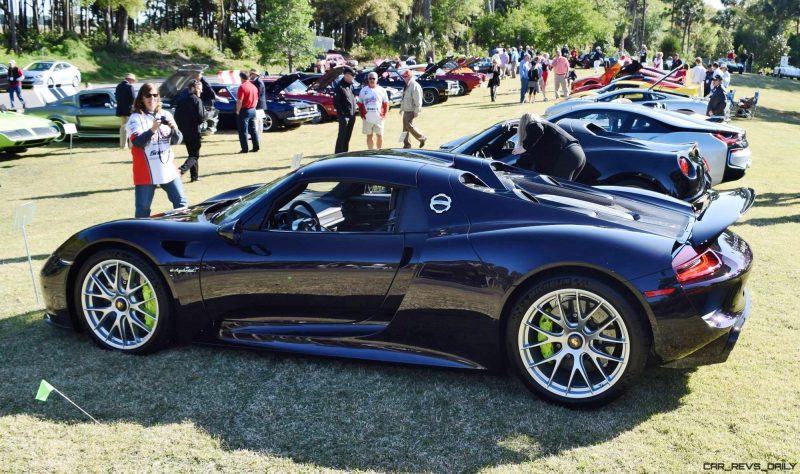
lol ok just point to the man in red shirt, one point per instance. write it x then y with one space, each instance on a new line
560 67
246 100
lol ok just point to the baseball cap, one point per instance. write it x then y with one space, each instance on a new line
130 76
717 77
11 61
349 70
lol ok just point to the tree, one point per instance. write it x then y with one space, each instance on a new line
285 36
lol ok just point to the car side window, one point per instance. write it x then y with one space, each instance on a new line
336 206
635 123
609 121
96 100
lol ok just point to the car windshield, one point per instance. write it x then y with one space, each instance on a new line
296 87
39 66
242 204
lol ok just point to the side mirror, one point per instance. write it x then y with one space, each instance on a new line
231 231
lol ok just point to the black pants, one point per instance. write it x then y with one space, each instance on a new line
493 92
345 132
193 149
570 162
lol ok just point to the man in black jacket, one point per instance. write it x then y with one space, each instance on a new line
717 99
190 116
345 103
124 96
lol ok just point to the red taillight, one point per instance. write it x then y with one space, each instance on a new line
697 266
683 162
727 140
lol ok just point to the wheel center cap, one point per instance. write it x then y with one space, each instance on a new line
121 304
575 341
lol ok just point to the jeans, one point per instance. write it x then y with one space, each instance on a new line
246 123
145 192
523 88
18 90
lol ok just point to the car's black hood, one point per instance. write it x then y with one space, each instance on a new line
281 83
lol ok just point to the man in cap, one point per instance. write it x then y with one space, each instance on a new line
717 99
125 97
190 116
345 103
261 104
373 103
15 76
410 108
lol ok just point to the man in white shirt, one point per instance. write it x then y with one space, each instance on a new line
698 75
373 102
726 76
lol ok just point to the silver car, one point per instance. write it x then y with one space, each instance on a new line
724 147
50 73
646 97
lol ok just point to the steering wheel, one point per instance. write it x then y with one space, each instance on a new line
304 224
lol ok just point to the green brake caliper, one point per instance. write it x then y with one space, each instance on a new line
150 306
547 325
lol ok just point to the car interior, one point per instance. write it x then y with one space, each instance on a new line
96 100
336 207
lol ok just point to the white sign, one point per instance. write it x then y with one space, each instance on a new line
69 128
296 161
784 61
23 214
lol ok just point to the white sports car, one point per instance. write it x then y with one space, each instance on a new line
646 97
51 73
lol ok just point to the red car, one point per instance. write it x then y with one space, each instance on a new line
618 70
290 86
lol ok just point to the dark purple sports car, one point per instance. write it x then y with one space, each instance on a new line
423 257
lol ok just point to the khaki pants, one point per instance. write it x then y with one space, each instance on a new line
561 82
408 126
123 133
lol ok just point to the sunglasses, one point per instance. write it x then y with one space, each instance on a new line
151 96
372 79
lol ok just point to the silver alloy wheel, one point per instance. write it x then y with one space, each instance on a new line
462 88
428 97
574 343
268 124
119 304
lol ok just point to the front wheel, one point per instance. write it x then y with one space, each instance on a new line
122 302
576 341
76 81
462 88
62 134
429 96
50 82
323 115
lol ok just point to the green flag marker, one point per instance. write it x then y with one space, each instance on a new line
44 391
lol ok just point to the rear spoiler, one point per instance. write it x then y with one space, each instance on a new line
717 211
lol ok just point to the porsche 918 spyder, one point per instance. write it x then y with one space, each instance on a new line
423 257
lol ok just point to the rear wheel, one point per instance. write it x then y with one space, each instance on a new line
122 302
576 341
62 134
462 88
270 122
429 96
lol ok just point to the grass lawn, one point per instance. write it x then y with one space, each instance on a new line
203 409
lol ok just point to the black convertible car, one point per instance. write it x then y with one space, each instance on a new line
611 158
423 257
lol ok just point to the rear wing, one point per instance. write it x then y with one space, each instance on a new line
716 211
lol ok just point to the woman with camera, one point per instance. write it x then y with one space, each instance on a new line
152 132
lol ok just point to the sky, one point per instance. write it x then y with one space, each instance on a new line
714 3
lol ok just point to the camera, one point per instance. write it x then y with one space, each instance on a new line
164 120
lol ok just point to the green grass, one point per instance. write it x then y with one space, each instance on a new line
203 409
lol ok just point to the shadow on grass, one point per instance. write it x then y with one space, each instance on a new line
40 256
78 194
327 413
777 199
767 221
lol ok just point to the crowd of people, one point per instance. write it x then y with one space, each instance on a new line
150 131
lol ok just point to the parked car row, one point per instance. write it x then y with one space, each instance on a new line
292 99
